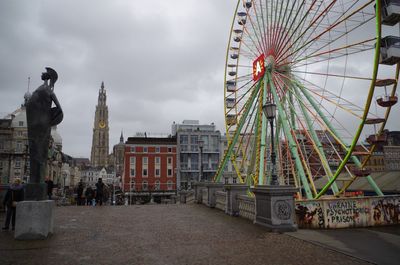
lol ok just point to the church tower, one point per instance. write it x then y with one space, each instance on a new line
99 155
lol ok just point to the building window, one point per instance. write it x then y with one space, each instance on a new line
169 172
157 185
170 185
21 123
145 166
184 139
144 149
132 165
194 139
133 149
157 166
169 160
19 147
145 185
132 186
157 149
169 149
17 163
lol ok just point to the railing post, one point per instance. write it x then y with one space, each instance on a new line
212 188
232 204
275 207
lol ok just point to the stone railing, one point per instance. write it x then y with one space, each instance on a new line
190 197
246 207
204 196
220 200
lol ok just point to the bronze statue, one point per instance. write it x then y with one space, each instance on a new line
41 116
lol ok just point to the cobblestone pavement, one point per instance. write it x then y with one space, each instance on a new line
161 234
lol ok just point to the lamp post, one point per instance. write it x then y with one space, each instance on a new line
201 145
270 112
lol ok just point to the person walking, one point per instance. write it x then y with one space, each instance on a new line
50 186
80 199
99 192
89 195
15 193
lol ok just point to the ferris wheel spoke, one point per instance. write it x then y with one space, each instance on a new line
333 75
306 125
261 31
330 28
315 21
336 39
338 102
232 140
332 41
317 59
315 140
283 24
292 143
257 31
354 158
290 20
303 19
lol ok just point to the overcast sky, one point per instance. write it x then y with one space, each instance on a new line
161 61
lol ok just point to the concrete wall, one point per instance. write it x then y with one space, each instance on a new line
348 212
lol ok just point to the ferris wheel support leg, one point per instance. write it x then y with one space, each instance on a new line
292 144
333 131
317 142
262 173
242 120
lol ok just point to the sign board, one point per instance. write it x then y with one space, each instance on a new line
258 67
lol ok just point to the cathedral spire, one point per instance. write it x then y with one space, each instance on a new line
100 140
121 139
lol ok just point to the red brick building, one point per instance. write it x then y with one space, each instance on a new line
150 165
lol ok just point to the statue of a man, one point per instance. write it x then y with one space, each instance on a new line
41 116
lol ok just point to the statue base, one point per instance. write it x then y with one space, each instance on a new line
35 191
34 220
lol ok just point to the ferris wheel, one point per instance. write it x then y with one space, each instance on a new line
304 82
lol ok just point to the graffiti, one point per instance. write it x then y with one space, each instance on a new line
346 212
386 211
310 215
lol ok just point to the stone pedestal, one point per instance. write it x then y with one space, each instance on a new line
232 204
34 220
275 207
212 187
198 192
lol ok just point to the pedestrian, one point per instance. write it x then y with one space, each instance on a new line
80 199
99 192
15 193
50 186
89 195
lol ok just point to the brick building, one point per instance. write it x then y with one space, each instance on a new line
150 167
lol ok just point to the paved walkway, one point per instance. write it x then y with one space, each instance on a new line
380 245
161 234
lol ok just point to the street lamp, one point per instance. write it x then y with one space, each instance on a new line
270 112
201 145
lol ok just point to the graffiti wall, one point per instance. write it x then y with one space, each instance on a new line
348 212
310 214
